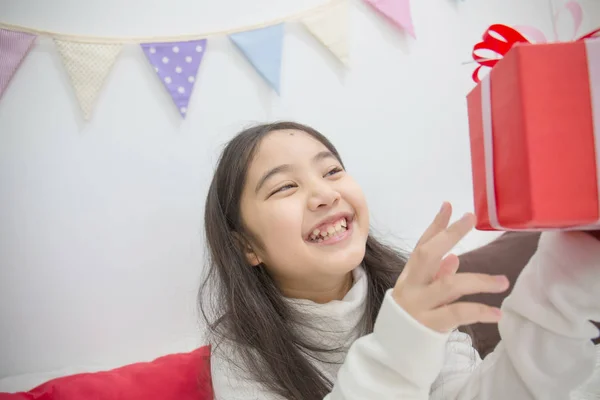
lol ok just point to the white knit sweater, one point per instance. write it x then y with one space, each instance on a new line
545 353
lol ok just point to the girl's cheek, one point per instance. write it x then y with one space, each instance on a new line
285 216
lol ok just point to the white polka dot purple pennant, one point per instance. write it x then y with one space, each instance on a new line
176 64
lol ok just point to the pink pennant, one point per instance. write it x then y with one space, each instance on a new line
397 11
14 46
574 8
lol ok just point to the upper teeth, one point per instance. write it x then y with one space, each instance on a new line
329 231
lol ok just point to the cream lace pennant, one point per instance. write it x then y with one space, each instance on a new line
330 27
88 65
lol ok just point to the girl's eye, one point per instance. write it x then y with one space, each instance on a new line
281 189
334 171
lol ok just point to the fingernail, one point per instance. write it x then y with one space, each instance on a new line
502 280
443 207
497 312
467 217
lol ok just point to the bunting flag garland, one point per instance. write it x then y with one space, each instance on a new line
263 49
177 59
88 65
331 28
176 64
397 11
14 47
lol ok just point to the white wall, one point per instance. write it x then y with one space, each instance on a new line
100 223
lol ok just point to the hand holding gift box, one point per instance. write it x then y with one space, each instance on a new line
535 134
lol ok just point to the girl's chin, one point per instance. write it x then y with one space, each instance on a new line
341 264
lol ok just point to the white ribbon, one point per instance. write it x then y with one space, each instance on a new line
593 59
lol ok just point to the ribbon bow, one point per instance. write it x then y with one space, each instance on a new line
499 39
508 38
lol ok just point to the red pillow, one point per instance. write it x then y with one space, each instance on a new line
173 377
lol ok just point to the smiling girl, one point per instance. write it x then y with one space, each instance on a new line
303 303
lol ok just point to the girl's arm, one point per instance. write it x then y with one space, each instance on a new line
546 349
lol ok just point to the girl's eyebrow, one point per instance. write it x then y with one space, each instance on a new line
287 167
274 171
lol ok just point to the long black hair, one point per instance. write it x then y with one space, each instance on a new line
243 305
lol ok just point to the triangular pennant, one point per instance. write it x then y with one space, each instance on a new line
397 11
14 46
330 27
88 65
176 64
263 48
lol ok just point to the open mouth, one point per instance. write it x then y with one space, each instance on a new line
331 232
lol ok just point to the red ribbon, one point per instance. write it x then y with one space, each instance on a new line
508 37
594 33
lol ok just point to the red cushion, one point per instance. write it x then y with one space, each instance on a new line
173 377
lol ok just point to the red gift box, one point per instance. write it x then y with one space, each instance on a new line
534 125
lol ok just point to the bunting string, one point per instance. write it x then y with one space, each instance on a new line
173 38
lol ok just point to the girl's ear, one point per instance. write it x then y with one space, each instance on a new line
251 257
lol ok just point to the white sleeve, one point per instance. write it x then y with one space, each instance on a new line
461 360
546 350
399 360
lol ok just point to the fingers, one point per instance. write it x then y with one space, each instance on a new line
448 266
428 286
449 317
443 242
424 262
450 288
440 222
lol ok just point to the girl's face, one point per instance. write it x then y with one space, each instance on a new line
308 217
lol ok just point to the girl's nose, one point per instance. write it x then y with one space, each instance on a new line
323 196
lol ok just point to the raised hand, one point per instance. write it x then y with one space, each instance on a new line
429 286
